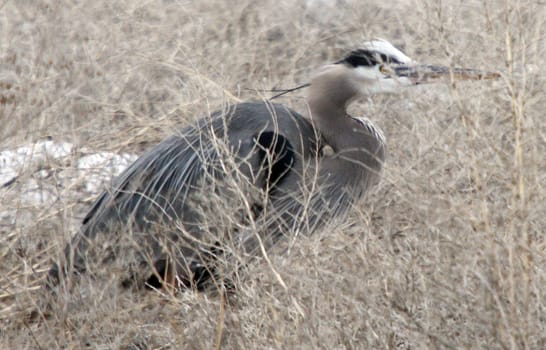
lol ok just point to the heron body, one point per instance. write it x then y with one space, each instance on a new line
238 180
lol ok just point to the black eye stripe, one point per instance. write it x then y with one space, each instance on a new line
361 58
367 58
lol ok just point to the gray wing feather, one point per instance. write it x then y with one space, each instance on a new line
163 185
198 188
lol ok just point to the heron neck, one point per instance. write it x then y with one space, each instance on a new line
330 94
330 119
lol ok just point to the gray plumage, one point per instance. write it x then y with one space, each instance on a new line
211 196
161 190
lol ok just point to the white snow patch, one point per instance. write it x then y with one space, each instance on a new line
14 161
50 174
29 179
102 167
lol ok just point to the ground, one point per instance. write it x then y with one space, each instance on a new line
448 251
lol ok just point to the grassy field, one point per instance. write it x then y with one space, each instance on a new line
448 252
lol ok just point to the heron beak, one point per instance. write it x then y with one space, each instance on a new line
422 74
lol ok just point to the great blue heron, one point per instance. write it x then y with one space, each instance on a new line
233 183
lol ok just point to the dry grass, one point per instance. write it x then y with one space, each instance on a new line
448 252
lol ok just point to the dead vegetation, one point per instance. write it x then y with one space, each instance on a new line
448 252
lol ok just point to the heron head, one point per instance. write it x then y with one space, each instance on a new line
379 67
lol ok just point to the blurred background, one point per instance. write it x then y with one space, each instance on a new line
448 252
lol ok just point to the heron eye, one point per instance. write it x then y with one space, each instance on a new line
384 69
